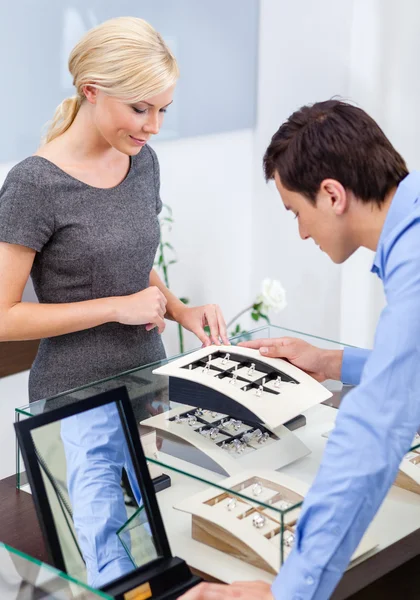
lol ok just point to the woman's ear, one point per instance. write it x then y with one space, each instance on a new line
90 93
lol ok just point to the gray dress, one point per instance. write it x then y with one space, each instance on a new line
90 243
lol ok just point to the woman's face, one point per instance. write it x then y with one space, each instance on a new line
127 127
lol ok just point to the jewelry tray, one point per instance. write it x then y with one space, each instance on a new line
234 532
246 386
273 448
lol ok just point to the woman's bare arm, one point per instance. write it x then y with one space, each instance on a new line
30 320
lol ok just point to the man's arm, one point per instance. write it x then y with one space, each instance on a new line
375 426
354 360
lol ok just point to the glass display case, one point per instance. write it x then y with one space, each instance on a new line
237 485
24 577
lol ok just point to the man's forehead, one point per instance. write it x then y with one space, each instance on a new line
286 195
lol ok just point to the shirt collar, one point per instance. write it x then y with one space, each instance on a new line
406 195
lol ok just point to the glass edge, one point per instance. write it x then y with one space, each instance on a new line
57 572
223 489
133 516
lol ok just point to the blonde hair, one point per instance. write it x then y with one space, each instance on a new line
123 57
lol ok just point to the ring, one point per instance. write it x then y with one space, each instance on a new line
231 504
192 420
257 488
259 391
251 369
214 433
289 540
278 382
258 521
225 359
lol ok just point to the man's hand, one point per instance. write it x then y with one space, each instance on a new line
320 364
241 590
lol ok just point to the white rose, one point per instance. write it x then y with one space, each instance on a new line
273 295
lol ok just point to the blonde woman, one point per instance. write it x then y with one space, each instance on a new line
80 217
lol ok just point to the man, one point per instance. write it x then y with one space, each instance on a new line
348 187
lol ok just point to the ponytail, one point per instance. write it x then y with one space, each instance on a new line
63 117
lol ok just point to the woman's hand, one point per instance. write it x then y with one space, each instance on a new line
197 317
147 307
320 364
241 590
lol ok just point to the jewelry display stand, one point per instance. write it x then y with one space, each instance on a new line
233 444
256 521
240 382
409 472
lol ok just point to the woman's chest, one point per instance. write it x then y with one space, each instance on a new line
106 225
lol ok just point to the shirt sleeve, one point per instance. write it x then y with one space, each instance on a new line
375 426
354 360
156 175
26 215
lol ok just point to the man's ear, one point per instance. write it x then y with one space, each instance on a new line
334 193
90 93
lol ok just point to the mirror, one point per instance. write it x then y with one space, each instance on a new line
94 494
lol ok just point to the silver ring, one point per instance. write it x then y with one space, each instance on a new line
251 369
231 504
257 488
258 521
225 359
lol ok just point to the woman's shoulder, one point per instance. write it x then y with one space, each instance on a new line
30 171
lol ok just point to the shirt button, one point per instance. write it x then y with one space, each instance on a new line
309 580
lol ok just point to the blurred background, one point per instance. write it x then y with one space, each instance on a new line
245 66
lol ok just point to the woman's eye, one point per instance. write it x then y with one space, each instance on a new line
139 111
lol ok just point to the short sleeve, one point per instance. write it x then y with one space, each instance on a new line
156 177
26 215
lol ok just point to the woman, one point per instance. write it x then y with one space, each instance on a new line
80 216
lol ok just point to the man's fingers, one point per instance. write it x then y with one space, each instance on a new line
272 347
256 344
207 591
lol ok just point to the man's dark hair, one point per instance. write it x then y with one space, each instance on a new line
336 140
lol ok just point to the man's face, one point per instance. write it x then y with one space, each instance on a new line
325 221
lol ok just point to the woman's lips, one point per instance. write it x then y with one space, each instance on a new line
137 141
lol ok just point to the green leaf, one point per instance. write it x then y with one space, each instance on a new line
168 245
265 317
172 262
184 300
257 306
255 316
160 261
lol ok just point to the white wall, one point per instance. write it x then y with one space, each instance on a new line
385 46
304 57
208 183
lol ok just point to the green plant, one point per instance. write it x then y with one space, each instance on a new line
163 263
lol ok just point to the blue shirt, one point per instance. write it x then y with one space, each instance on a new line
376 422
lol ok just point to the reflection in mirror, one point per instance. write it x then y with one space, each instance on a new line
93 493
